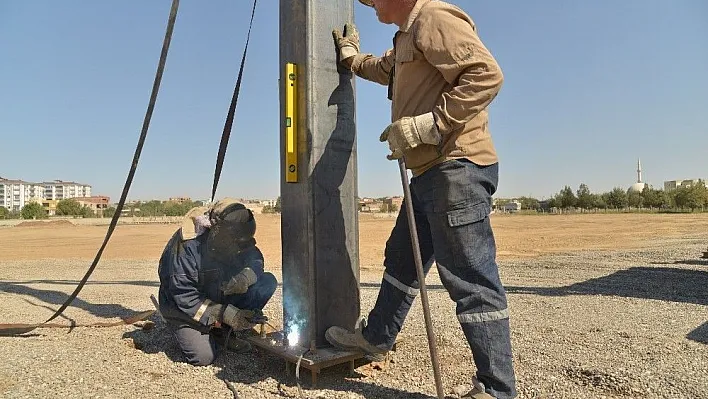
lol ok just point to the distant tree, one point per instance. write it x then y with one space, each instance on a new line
553 202
634 199
566 198
171 209
87 212
388 208
4 213
617 198
69 207
655 198
599 201
277 208
108 212
693 197
155 208
528 203
500 202
33 210
585 197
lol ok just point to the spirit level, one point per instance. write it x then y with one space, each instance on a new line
291 84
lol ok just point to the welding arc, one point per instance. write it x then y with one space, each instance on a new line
421 277
131 173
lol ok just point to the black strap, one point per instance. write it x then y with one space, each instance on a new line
232 110
134 165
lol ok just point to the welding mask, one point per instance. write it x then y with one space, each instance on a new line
232 227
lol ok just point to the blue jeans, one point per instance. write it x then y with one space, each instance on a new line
198 343
451 203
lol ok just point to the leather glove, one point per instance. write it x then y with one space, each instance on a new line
347 44
239 283
238 319
410 132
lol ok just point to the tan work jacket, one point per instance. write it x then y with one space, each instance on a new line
438 63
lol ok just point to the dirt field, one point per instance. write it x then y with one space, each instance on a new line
602 306
517 236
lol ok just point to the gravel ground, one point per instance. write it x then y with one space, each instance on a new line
588 324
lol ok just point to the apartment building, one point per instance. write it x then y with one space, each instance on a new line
14 194
59 190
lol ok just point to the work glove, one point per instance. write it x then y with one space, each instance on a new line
410 132
239 283
347 44
238 319
213 312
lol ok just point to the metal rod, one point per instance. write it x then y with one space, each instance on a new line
421 278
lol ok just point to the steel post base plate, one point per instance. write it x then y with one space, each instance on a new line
315 359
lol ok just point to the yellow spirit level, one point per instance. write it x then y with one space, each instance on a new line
291 123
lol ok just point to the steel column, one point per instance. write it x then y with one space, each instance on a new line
319 211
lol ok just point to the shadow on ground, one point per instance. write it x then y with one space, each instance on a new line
660 283
700 334
58 297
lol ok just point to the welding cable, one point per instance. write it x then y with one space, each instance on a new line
16 329
297 373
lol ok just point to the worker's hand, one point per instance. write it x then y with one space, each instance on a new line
239 283
410 132
237 318
347 44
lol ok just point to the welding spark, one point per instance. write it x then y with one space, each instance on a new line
293 335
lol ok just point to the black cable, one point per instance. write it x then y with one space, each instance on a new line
232 110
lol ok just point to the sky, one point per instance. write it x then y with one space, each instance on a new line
590 86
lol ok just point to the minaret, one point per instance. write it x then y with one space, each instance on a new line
639 170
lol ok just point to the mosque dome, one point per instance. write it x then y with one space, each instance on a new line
637 187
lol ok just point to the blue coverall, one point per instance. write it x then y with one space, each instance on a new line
189 275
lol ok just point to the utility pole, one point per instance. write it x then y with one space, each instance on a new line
320 232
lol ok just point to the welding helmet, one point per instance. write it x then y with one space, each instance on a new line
232 225
368 3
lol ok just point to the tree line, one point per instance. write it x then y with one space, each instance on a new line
682 198
71 207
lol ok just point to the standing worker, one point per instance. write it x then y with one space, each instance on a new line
212 280
441 79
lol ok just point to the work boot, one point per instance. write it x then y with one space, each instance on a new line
234 344
477 391
238 345
343 339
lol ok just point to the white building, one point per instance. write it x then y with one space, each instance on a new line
59 190
674 184
14 194
512 206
